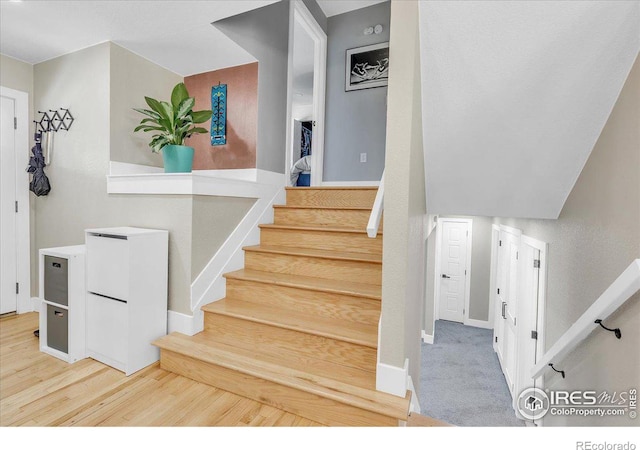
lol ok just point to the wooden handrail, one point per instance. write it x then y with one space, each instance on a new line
627 284
376 211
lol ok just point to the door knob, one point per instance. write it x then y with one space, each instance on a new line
445 276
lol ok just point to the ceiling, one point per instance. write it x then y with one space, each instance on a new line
335 7
515 96
168 33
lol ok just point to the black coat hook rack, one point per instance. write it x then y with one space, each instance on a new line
54 120
561 372
615 331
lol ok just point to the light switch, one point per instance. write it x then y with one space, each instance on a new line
363 157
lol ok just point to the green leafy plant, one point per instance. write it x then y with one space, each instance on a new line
171 123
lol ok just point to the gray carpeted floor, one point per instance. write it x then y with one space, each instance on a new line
461 381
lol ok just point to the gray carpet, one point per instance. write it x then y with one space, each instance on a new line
461 382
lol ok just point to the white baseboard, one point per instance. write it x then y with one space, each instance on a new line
427 338
184 323
478 323
392 379
35 304
351 183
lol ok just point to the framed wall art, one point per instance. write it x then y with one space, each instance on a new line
367 67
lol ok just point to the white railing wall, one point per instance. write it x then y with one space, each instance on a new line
627 284
376 212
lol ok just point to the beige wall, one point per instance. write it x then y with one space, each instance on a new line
404 203
214 219
131 79
18 75
78 199
595 238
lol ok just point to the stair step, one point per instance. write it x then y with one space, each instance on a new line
271 352
353 333
330 239
351 288
313 303
353 218
318 398
295 345
317 263
347 197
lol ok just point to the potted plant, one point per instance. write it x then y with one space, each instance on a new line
171 123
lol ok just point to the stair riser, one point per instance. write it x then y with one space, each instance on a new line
347 198
322 240
305 404
346 218
363 272
314 303
291 341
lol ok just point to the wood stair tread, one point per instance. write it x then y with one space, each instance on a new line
311 283
339 208
316 253
366 399
316 228
352 332
331 188
272 352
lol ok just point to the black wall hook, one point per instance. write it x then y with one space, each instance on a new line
616 331
561 372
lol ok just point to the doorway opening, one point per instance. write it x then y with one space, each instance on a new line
306 99
461 378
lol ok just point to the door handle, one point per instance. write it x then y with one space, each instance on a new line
504 313
445 276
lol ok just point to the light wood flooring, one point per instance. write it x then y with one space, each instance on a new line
39 390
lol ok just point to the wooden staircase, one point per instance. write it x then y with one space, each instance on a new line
298 329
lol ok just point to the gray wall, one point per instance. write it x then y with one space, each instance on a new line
404 201
317 13
78 199
355 121
131 79
595 238
264 33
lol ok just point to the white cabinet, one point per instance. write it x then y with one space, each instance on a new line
62 307
127 273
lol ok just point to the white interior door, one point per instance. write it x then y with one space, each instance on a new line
508 303
453 263
8 249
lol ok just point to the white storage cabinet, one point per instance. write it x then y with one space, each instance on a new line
127 273
62 302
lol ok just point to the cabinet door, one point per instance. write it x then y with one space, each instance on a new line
107 329
108 266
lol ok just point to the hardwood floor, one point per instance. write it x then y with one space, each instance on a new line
39 390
